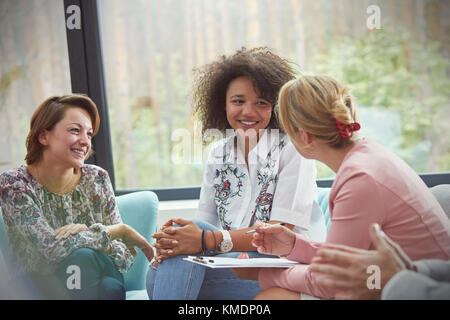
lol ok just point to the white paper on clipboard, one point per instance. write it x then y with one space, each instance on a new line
222 262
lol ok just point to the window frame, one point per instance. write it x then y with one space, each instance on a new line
87 77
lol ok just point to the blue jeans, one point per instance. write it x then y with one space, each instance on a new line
99 278
177 279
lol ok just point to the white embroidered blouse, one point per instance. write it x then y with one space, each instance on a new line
278 185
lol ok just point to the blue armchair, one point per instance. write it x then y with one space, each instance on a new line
323 200
139 210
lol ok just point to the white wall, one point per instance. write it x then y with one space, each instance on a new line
176 209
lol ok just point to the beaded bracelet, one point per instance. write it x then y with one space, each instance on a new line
214 235
203 242
213 251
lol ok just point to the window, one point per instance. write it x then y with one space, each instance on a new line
34 65
393 54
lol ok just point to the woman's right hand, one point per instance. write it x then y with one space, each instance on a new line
131 238
164 244
273 239
186 238
69 229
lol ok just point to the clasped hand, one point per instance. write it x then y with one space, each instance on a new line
171 240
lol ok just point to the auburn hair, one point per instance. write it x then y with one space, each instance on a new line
49 113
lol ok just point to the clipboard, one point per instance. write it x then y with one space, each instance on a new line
223 262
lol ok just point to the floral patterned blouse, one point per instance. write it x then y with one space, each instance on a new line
31 214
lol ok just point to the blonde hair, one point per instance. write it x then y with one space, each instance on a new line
50 112
314 103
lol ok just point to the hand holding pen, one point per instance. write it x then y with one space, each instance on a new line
276 224
273 239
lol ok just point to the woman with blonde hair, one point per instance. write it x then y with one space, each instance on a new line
372 185
63 225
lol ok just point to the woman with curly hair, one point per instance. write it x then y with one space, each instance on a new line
254 174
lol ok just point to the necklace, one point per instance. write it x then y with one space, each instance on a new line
66 188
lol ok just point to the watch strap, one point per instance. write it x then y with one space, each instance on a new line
226 237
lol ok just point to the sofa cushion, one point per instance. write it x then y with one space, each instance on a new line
442 194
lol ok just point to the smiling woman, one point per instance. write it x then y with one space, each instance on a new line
49 113
60 212
245 107
262 180
60 133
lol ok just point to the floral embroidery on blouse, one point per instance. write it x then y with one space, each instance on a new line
266 177
264 200
225 191
229 181
31 214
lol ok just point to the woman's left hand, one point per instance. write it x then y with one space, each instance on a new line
68 230
163 242
172 241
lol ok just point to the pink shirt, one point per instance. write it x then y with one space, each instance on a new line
372 185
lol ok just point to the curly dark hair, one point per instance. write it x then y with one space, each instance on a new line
267 71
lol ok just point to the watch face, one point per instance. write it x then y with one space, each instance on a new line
226 246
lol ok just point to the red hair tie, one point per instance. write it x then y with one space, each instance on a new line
346 130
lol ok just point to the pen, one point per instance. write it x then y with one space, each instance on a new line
201 260
276 224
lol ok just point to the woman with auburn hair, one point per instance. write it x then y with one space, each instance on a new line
254 174
372 185
60 213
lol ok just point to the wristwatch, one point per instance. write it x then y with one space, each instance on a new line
226 245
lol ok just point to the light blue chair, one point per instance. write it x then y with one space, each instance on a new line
323 201
139 210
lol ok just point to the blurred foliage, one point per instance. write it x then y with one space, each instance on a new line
153 119
391 70
14 73
7 78
401 87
